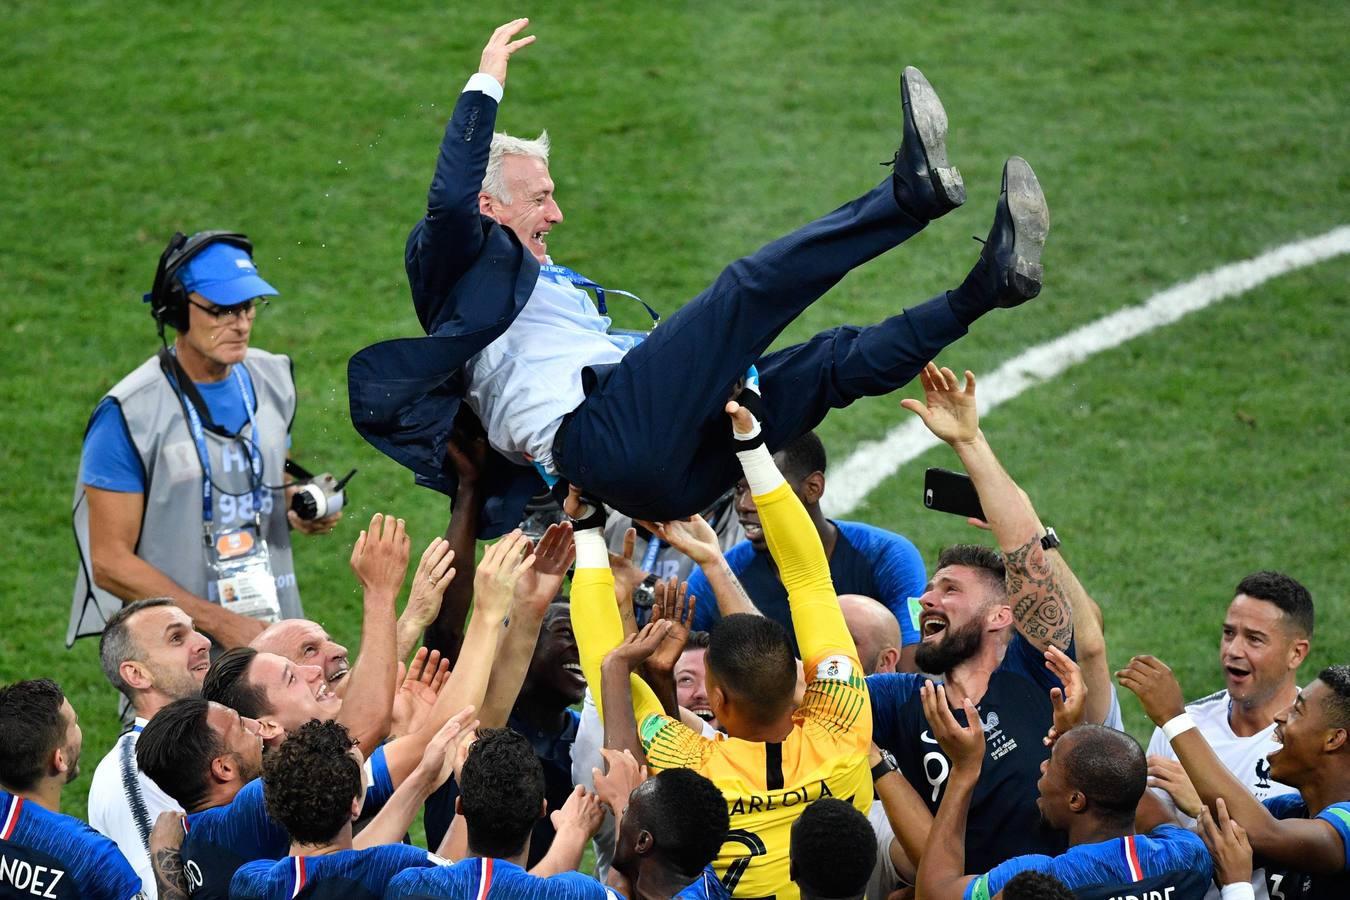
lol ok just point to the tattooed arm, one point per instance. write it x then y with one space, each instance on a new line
166 842
1036 592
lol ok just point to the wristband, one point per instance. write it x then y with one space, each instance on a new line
592 552
761 472
1179 725
886 766
1241 890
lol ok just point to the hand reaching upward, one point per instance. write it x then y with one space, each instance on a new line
948 410
500 47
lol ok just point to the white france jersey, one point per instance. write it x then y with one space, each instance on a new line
1245 757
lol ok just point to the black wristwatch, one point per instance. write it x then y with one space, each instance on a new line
1050 541
886 766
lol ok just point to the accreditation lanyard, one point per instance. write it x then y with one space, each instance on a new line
204 453
582 281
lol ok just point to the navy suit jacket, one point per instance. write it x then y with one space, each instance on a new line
470 277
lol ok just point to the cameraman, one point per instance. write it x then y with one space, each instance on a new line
180 491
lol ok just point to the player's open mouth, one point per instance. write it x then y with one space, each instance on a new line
203 666
753 530
703 712
337 676
539 236
1236 674
574 669
931 624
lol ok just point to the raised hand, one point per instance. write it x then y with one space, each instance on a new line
438 759
1227 843
503 564
964 745
581 814
1170 775
627 573
693 537
637 648
948 410
380 557
669 606
467 452
434 574
500 47
418 690
622 778
1155 686
1069 702
553 556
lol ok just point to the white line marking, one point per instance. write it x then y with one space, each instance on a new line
872 462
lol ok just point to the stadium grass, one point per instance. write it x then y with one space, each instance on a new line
1169 141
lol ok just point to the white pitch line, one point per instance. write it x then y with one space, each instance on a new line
872 462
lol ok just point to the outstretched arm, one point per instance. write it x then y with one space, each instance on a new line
1311 845
467 453
380 561
696 539
1040 604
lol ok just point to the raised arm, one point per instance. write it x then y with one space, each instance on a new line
494 586
616 686
1040 604
435 573
467 453
379 561
795 547
450 237
534 592
942 874
1309 845
695 539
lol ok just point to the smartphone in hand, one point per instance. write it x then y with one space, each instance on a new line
951 492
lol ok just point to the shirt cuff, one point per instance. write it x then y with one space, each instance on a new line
481 81
1242 890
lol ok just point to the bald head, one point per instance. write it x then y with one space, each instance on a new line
306 643
875 631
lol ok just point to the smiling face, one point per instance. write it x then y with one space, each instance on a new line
555 676
960 607
172 656
306 643
295 694
533 210
1306 733
690 688
1259 651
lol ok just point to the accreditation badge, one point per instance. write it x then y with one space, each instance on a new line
241 569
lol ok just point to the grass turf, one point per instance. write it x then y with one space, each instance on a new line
1169 141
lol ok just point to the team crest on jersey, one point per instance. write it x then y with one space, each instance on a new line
834 668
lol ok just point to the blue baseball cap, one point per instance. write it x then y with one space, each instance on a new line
225 275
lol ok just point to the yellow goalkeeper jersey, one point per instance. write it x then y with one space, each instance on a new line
766 785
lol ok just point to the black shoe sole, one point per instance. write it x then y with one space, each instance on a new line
930 123
1031 226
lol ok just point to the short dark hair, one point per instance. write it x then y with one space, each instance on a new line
833 850
688 818
226 683
1033 885
1109 767
1292 598
801 456
176 748
1337 706
30 720
116 645
697 640
501 789
309 782
751 657
975 556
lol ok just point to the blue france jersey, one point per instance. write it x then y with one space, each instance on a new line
1292 884
707 887
1167 862
866 560
53 856
347 875
217 841
1004 820
498 879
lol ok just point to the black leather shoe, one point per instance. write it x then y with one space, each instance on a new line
1011 258
926 184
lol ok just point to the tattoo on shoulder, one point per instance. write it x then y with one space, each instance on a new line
1040 606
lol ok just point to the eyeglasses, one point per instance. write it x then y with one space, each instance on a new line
249 309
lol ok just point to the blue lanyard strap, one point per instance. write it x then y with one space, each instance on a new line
582 281
204 454
649 558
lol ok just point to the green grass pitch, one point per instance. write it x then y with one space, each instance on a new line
1170 138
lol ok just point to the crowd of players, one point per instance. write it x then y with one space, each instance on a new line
766 758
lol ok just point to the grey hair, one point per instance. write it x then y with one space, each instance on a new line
116 645
504 145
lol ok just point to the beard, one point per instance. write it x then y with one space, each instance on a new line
953 648
73 754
